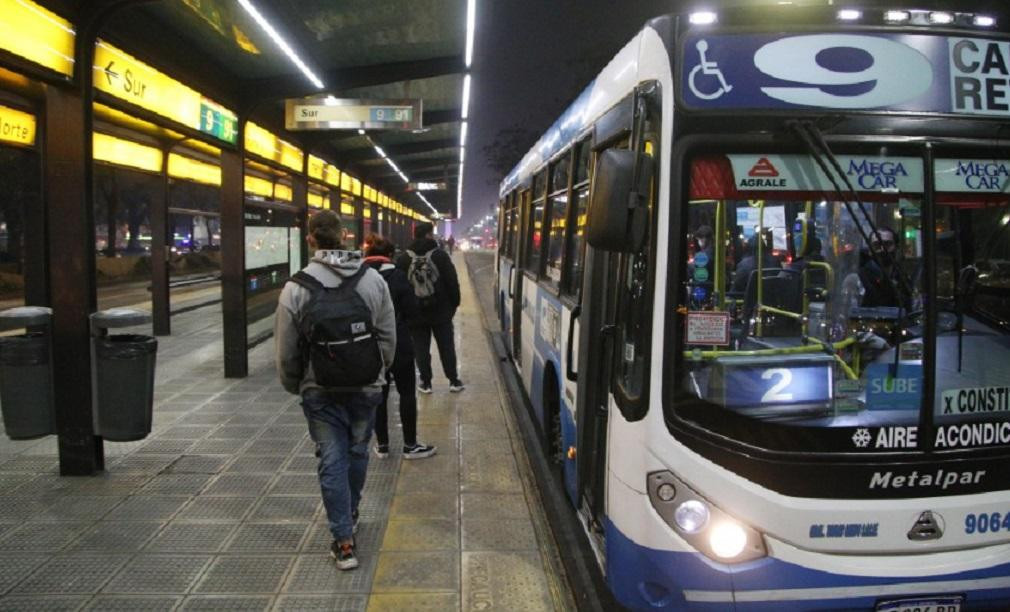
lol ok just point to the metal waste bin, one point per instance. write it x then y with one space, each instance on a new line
123 375
26 373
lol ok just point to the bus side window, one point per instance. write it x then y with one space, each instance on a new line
576 251
535 237
512 220
557 206
502 228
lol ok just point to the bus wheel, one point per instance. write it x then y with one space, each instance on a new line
553 445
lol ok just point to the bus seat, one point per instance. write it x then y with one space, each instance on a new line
783 289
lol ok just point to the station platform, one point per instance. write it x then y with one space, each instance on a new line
219 508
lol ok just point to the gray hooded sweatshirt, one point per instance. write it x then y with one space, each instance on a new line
330 268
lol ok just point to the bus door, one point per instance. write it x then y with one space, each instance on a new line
517 276
596 341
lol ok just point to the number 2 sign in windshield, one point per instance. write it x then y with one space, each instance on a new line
909 72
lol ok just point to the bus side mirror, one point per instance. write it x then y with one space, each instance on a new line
617 218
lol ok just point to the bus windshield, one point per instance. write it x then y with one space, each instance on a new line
804 309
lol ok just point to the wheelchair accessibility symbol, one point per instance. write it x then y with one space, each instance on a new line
709 69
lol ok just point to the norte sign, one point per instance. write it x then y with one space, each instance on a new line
329 113
127 78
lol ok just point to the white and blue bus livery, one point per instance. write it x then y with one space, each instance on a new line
756 283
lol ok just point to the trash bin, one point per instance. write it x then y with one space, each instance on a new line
124 376
26 375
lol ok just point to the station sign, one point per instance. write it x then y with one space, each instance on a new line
422 186
963 75
123 76
38 35
757 172
16 126
330 113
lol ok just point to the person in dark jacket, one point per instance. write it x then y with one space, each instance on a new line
434 319
749 263
378 255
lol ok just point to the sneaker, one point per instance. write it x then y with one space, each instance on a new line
381 451
354 526
456 386
424 387
344 556
418 451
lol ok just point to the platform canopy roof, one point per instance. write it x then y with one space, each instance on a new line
377 49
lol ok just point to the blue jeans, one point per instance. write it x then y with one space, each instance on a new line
341 425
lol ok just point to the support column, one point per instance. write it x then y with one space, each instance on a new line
160 295
233 299
70 234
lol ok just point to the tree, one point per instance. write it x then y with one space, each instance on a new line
507 150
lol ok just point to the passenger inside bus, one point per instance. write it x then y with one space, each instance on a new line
879 275
749 265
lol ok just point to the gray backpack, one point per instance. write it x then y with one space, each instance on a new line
423 275
336 334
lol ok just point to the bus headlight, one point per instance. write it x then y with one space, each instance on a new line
727 539
704 526
691 516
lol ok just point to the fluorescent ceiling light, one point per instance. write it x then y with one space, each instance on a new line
283 44
379 150
897 16
849 14
466 96
425 200
362 132
462 154
462 135
984 21
471 18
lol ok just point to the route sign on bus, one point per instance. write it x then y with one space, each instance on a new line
330 113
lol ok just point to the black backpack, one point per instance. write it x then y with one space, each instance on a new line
336 333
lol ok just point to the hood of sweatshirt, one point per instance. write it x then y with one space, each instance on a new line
423 245
341 263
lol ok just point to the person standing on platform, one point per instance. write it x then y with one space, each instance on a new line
335 332
433 277
450 244
379 255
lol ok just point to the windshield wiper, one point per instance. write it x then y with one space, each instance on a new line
819 150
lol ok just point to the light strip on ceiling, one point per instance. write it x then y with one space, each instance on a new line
433 209
471 26
283 44
392 164
471 18
466 97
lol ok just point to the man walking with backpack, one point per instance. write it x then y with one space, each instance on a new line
335 333
433 277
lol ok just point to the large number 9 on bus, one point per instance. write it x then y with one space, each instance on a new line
898 72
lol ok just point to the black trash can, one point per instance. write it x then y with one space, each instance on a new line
26 386
124 378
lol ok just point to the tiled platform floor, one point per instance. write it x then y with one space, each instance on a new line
219 508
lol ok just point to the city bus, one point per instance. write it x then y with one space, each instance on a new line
756 284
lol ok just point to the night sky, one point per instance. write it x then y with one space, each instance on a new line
531 59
